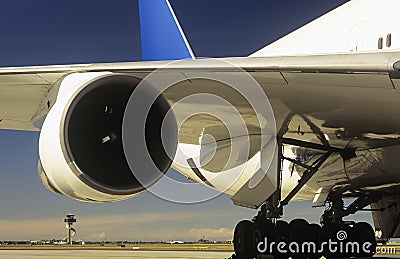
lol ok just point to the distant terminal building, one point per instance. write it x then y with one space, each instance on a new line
203 240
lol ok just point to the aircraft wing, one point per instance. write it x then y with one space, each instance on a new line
27 92
356 87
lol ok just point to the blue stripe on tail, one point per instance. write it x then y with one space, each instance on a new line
161 34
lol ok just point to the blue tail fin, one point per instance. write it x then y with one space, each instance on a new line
162 36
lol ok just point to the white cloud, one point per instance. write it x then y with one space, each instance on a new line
99 236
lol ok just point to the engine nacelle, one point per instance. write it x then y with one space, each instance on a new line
81 145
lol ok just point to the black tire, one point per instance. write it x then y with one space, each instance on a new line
331 233
257 236
299 233
282 235
242 239
314 234
363 233
263 229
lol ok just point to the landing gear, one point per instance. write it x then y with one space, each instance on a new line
358 239
280 239
333 238
300 239
249 234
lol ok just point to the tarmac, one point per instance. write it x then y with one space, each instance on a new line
96 254
106 254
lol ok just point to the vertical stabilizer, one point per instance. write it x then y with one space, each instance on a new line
161 34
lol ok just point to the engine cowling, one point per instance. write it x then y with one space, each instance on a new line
81 145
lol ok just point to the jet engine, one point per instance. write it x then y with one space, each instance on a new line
83 142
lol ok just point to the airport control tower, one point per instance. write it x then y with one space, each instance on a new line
70 220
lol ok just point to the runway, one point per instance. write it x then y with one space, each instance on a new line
104 254
96 254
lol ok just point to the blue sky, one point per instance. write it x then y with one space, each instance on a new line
76 31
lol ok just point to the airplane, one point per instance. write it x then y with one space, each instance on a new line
312 116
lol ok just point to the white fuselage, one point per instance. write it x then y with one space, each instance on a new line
355 26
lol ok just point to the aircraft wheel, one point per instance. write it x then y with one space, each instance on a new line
339 234
242 239
263 230
363 234
314 232
282 235
299 233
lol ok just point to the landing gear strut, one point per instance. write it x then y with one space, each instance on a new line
334 238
